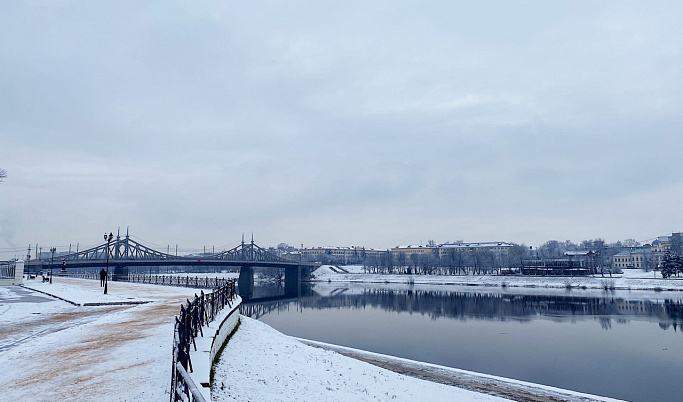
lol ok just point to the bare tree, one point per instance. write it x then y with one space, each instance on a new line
388 261
649 262
551 249
630 243
516 255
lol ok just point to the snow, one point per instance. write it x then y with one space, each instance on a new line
61 351
632 279
95 348
280 368
53 350
443 374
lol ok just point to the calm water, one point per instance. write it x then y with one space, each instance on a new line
624 345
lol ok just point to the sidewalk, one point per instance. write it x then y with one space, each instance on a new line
56 350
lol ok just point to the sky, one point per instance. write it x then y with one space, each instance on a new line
339 123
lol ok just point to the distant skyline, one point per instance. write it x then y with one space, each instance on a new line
339 123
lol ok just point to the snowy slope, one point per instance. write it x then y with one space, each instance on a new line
261 364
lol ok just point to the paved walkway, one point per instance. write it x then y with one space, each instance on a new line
53 350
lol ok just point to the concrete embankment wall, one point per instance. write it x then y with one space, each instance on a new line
224 330
19 273
208 346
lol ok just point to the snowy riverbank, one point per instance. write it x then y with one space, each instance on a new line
281 368
629 280
263 364
81 350
73 346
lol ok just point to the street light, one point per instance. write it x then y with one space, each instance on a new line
106 278
52 261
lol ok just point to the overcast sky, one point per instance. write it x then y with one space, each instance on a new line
339 122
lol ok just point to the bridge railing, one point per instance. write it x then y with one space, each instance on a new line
166 280
186 281
188 325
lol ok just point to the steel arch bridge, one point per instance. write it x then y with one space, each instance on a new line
126 252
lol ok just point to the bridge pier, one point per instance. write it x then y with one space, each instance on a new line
292 281
245 283
120 273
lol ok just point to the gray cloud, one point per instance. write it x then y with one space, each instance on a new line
340 123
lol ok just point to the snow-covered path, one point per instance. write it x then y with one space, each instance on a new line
53 350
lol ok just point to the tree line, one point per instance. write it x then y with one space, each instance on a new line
481 261
459 261
455 261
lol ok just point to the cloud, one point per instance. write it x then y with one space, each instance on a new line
383 123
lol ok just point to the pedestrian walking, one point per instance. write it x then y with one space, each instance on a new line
103 277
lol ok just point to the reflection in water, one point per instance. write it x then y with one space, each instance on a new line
480 305
605 323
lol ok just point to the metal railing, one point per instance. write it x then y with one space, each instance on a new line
186 281
7 269
188 325
165 280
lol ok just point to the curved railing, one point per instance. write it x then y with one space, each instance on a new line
188 325
195 314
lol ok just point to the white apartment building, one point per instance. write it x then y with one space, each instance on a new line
342 254
442 250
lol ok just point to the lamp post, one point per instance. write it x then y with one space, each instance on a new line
106 278
52 261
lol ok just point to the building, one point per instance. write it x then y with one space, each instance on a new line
662 244
649 256
500 249
557 267
574 263
406 251
341 255
636 258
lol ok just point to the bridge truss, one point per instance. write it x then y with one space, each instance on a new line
247 252
126 251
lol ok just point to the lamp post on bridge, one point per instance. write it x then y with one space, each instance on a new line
52 261
108 240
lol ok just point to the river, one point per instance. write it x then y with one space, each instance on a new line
620 344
